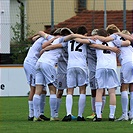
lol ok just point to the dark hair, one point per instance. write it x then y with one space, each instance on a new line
82 30
111 31
102 32
52 31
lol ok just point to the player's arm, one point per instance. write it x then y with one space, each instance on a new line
126 36
84 41
41 52
40 34
43 34
35 37
120 43
73 36
51 47
125 43
104 39
112 38
47 43
103 47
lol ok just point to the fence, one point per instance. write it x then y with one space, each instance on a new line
23 18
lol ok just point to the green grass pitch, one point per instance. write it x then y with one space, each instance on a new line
14 112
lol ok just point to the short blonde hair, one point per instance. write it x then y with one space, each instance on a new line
126 32
112 29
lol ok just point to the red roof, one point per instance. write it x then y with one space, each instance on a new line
95 19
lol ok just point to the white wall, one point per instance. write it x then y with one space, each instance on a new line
13 82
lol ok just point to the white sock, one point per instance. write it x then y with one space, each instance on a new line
36 105
58 104
98 106
124 102
31 110
131 104
42 103
112 111
93 104
81 104
52 102
103 102
69 103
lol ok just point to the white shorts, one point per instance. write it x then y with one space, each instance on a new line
92 80
126 73
30 73
76 77
106 78
45 74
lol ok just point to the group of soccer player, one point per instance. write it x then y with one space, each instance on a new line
66 60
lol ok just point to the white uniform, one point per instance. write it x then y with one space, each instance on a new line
77 74
106 68
126 60
31 59
46 71
91 60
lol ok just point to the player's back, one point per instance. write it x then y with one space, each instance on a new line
77 54
106 58
34 51
52 56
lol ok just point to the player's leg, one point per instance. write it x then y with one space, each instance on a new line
126 79
52 101
131 101
36 102
93 97
112 104
30 75
103 100
61 85
71 83
42 104
69 104
30 103
40 81
98 104
58 102
124 102
50 77
81 102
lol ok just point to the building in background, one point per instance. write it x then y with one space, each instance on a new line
38 14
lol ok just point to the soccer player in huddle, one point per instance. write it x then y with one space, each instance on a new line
30 71
125 59
92 60
77 75
46 74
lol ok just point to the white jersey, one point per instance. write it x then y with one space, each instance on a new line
51 57
106 58
34 51
77 55
126 54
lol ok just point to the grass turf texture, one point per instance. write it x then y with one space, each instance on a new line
14 112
